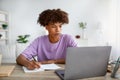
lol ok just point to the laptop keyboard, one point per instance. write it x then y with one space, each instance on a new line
62 75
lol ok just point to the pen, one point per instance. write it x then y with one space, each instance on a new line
34 58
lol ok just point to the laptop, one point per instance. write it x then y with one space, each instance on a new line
85 62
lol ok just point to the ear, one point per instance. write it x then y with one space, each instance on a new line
46 27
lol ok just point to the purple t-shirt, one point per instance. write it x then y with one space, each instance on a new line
45 50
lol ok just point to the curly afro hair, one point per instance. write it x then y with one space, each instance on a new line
52 16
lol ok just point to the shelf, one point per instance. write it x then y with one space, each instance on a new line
82 42
3 21
3 12
3 39
3 30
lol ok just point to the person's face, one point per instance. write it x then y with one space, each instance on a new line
54 29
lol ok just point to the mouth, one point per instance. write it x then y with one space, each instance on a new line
57 34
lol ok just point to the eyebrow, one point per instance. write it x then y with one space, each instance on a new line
56 25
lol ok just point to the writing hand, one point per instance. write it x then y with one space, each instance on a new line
33 64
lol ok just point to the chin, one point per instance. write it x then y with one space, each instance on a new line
57 35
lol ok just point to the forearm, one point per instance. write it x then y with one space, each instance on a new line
21 60
58 61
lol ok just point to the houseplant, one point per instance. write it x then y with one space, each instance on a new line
22 43
4 26
0 36
22 38
82 25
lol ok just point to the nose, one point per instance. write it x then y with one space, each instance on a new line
58 29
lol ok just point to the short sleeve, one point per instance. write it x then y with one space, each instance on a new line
31 50
71 41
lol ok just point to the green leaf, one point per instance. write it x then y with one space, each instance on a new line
82 25
22 38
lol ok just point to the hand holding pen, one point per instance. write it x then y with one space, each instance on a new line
33 64
34 58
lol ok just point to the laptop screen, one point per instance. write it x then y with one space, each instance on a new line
85 62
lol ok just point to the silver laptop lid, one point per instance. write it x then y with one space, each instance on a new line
85 62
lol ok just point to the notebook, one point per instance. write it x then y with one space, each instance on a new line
85 62
42 68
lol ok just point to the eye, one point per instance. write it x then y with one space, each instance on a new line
60 26
53 26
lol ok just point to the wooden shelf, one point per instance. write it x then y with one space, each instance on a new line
3 12
3 39
3 21
4 32
82 42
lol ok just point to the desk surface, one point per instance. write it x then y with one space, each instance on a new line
18 74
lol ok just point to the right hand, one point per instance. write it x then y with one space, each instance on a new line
33 64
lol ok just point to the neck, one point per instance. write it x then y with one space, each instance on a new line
53 39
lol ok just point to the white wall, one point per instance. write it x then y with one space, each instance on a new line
118 28
97 13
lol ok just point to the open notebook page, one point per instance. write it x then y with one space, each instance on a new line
42 68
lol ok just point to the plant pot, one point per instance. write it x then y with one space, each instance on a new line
4 26
0 36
